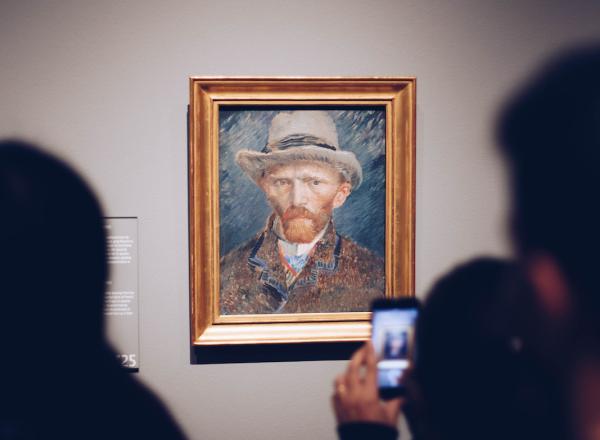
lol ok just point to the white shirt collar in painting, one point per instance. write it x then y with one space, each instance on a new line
295 249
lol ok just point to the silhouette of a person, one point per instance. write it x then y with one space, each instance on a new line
60 378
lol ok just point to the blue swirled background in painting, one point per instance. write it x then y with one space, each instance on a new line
243 206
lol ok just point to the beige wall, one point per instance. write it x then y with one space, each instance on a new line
104 83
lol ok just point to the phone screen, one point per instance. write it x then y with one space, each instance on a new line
393 340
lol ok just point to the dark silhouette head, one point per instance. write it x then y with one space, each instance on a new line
550 133
474 379
59 377
52 254
52 264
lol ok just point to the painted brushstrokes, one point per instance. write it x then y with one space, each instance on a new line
256 278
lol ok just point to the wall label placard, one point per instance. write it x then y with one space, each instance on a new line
121 308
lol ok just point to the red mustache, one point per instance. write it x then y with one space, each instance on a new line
294 212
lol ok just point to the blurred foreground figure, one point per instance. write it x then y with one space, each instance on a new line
472 378
59 378
550 134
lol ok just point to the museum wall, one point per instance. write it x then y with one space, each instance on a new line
105 85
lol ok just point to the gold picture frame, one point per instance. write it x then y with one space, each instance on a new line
395 97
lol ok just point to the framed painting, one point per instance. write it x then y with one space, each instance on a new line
301 204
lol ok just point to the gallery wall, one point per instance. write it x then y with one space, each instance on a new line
105 85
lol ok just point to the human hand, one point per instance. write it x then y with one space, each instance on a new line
356 395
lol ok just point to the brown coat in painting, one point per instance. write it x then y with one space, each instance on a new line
340 276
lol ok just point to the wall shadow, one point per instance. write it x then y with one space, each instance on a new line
272 353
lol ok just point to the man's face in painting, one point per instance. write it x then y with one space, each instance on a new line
304 195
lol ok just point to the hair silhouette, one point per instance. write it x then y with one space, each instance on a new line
475 379
60 378
550 133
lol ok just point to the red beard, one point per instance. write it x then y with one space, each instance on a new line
302 226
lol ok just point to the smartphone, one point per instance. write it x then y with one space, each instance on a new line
393 335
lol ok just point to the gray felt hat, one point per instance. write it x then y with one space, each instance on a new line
308 135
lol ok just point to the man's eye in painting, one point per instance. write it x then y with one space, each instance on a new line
280 182
312 181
